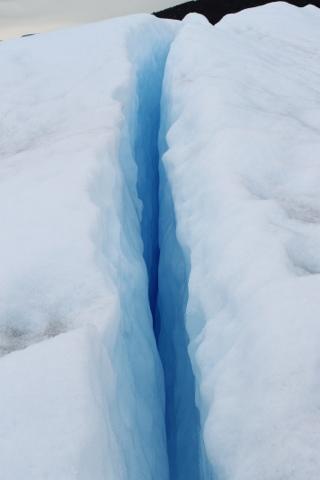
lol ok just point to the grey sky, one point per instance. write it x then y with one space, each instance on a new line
24 16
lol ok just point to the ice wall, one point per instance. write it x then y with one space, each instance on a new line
241 163
82 390
185 446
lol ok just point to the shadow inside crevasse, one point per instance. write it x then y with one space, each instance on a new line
168 273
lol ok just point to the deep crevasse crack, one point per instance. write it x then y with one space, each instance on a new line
168 273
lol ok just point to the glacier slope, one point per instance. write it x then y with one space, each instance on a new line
87 403
242 128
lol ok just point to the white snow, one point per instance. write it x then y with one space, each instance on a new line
87 404
242 126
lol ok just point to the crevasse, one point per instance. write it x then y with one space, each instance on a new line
168 271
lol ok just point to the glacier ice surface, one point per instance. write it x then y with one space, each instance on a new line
242 127
82 392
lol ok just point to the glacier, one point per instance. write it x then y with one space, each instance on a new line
159 249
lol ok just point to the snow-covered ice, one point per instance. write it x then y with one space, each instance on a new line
242 127
87 401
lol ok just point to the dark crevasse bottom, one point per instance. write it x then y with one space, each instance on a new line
168 274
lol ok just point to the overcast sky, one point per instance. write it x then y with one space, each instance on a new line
26 16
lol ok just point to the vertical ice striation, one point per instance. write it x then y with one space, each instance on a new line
187 459
182 416
149 76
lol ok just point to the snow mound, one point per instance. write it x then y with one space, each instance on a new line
196 19
241 122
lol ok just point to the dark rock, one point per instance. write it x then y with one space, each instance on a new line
215 10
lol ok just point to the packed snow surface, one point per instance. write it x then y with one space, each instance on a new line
242 124
201 251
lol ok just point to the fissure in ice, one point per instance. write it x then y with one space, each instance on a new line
168 278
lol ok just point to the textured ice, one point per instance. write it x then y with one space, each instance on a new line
87 404
241 120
